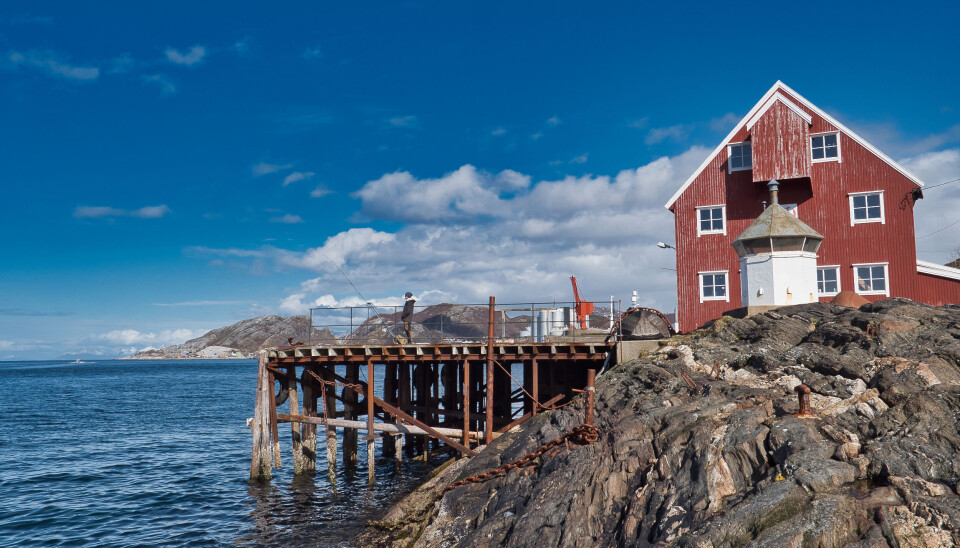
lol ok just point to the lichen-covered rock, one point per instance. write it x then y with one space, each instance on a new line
727 462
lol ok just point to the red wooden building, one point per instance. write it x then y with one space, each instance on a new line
858 198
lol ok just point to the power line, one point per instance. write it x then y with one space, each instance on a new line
941 230
941 184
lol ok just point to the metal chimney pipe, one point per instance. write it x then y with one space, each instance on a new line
774 187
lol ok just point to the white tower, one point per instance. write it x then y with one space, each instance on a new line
778 258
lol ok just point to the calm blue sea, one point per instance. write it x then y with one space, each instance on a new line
148 453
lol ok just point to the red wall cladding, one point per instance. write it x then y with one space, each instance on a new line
780 145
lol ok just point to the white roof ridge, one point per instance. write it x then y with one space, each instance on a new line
803 101
939 270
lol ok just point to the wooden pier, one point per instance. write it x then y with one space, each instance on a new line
438 397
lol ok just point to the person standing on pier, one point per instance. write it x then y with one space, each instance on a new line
407 314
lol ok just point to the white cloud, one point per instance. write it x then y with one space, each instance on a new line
320 191
287 219
675 133
724 123
51 64
96 212
264 168
190 58
499 131
472 234
127 337
404 121
582 159
297 176
164 83
466 192
553 121
938 237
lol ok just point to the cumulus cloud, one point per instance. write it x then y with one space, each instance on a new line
53 65
460 195
96 212
190 58
471 234
264 168
297 176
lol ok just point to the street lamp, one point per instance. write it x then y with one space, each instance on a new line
662 245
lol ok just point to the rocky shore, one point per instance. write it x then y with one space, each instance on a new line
705 461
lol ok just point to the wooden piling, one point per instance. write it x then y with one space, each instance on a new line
535 385
274 429
330 405
466 402
299 463
591 381
308 446
260 455
371 435
350 403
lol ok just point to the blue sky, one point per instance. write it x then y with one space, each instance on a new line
171 168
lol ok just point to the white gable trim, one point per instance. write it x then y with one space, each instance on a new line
763 100
938 270
786 102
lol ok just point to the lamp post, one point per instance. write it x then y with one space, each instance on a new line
662 245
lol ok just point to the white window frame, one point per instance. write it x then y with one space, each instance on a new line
836 269
819 160
723 215
726 277
886 279
730 168
883 215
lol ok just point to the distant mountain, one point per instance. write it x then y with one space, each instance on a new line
242 339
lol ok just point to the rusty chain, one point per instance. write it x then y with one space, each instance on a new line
585 434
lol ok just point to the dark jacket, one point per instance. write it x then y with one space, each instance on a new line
407 310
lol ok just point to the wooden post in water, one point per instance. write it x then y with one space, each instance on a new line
489 396
371 437
330 405
299 465
308 446
274 430
260 455
350 401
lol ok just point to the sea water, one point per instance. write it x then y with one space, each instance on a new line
148 453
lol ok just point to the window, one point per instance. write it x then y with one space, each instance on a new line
825 147
866 207
792 208
871 279
713 286
711 220
828 280
739 157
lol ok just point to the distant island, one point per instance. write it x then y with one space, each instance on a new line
241 340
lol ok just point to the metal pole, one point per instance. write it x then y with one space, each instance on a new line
489 427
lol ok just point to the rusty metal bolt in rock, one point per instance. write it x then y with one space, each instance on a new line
803 394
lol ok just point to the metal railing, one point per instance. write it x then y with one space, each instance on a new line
462 323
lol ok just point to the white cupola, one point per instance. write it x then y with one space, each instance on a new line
778 258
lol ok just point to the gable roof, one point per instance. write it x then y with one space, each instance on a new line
772 101
765 102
